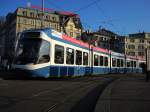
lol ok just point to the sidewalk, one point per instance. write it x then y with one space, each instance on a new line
125 95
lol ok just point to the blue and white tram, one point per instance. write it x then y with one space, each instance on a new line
132 65
48 53
117 62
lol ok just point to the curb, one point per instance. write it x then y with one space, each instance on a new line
106 93
88 103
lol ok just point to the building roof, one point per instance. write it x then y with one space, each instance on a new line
106 32
139 35
76 21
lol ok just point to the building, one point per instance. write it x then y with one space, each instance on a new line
70 24
136 44
29 18
121 44
106 39
2 37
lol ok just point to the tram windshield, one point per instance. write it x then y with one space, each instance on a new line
32 51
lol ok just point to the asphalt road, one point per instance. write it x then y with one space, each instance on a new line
51 95
127 94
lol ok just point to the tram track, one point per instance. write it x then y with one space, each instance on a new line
49 96
93 86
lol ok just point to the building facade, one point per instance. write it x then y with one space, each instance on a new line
73 28
29 18
106 39
136 44
2 37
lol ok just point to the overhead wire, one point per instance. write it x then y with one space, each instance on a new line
87 6
95 2
56 6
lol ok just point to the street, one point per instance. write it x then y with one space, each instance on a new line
105 93
50 95
128 94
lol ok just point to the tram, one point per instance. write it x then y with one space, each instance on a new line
48 53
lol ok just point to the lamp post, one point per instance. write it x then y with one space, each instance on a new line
90 50
110 45
146 67
42 14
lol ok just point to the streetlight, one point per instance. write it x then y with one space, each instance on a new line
42 13
110 45
90 50
146 67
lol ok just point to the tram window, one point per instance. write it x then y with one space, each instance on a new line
121 62
106 61
44 52
101 61
113 62
95 60
78 57
85 58
134 63
128 64
70 56
118 62
59 54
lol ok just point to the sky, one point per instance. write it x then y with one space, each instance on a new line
120 16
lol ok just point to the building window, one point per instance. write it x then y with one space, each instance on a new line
132 53
78 57
142 41
95 60
140 47
78 36
24 13
59 54
55 26
31 14
131 46
49 24
85 58
32 22
71 34
49 17
24 21
39 15
71 27
141 53
148 42
132 40
70 56
46 16
54 18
